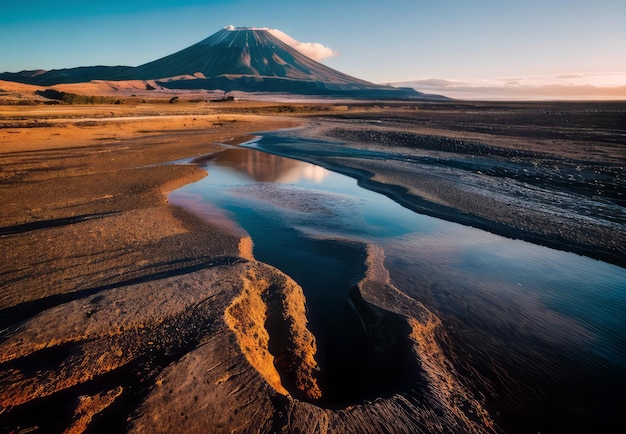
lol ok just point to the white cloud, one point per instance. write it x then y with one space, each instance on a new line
600 79
314 50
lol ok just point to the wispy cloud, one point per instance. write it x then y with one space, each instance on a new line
575 85
314 50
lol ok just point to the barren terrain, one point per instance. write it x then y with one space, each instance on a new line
119 311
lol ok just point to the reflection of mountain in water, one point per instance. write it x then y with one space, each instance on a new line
262 167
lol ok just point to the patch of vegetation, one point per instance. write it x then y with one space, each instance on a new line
31 124
282 109
18 102
73 98
50 94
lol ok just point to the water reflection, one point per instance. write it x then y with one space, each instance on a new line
262 167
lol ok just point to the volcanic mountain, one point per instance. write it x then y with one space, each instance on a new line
244 59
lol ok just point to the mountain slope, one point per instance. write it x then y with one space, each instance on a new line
245 59
242 51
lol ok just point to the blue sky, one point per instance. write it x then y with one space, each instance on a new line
395 40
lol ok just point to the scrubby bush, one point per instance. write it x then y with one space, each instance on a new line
72 98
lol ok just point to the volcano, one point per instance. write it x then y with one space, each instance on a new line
243 52
233 59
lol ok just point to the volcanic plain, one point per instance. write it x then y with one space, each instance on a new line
122 312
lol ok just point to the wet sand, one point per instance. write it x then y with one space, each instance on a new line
121 312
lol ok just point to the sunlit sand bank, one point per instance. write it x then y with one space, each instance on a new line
103 281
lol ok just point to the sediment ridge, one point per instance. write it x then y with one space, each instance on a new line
440 387
423 391
269 321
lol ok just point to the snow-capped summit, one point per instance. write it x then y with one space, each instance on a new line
244 51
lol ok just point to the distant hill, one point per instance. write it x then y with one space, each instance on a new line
244 59
71 75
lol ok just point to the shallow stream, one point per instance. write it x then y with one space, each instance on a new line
506 304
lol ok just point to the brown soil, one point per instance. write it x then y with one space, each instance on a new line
103 283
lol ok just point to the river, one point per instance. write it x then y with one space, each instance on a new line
541 330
